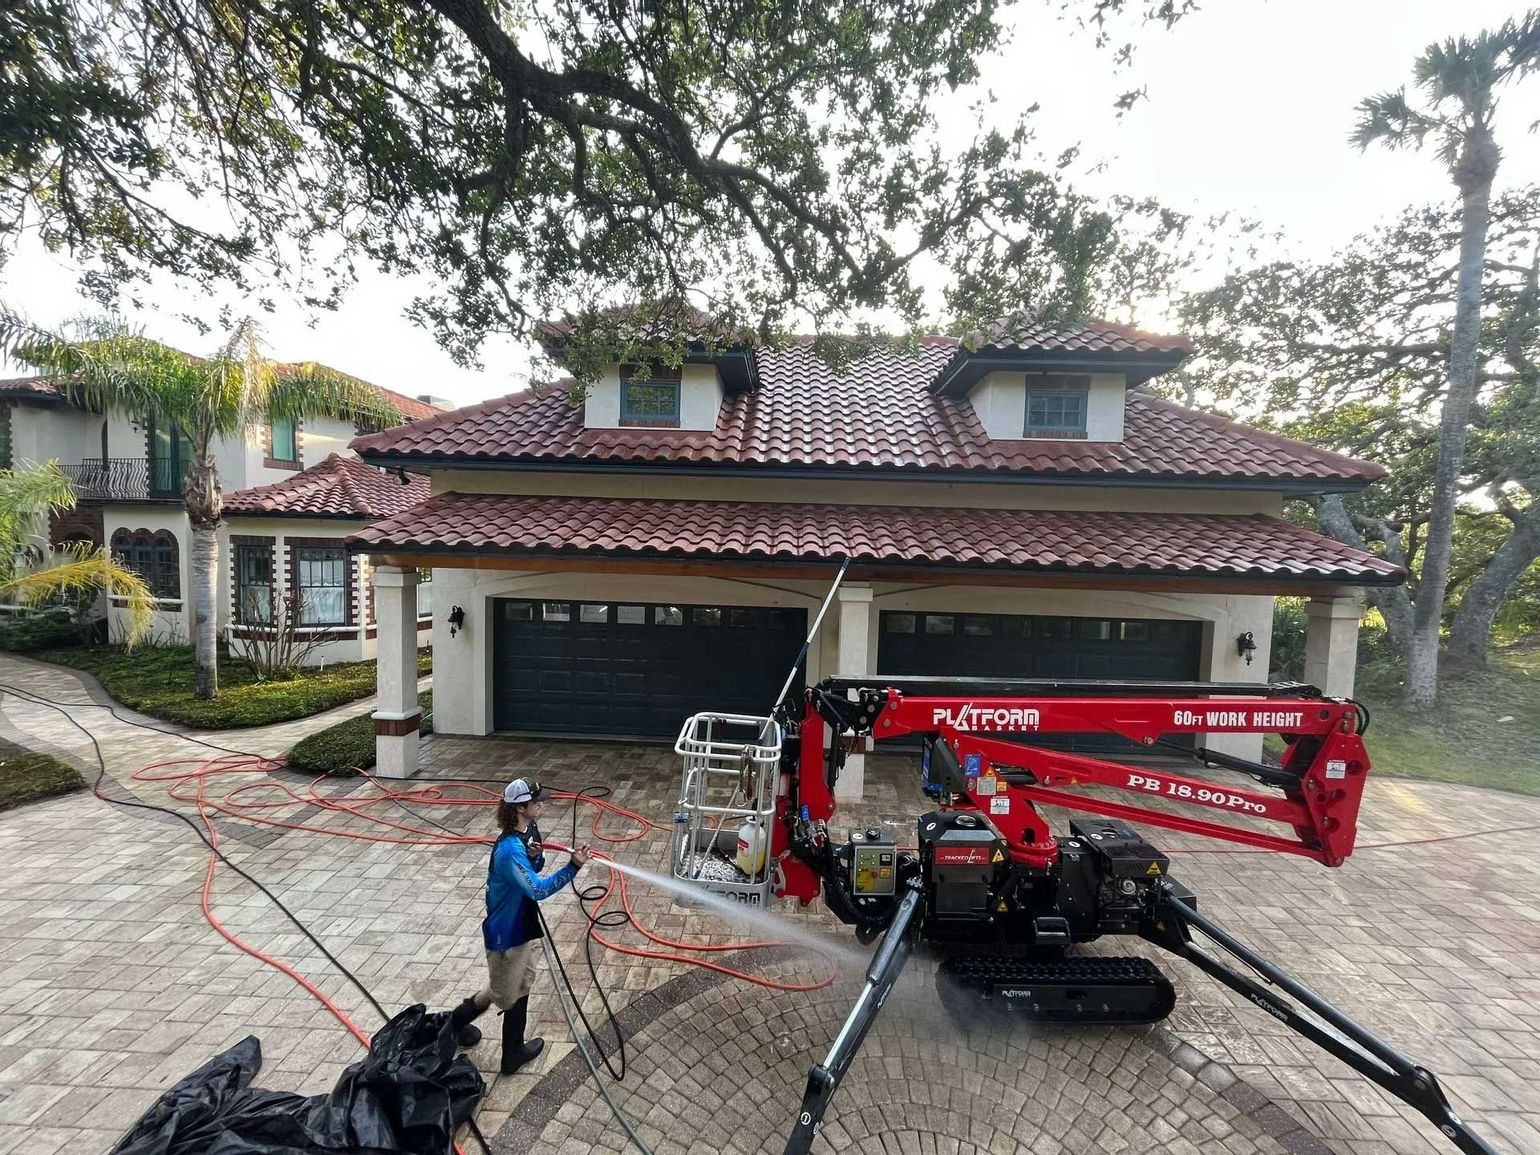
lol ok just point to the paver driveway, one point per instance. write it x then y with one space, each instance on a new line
112 986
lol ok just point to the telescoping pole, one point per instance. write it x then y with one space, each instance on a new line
791 675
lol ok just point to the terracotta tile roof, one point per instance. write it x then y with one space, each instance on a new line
1167 544
41 388
410 408
338 487
877 416
1094 337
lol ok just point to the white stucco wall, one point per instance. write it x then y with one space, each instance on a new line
242 462
1000 400
462 666
172 619
356 644
700 399
58 433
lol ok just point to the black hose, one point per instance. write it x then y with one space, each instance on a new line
96 788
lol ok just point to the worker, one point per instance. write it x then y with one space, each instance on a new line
512 924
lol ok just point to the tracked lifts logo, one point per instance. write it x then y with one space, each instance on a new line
971 717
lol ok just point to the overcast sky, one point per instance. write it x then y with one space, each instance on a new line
1249 108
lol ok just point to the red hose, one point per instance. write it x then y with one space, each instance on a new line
187 780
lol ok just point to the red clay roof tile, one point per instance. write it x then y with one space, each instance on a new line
876 416
1167 544
338 487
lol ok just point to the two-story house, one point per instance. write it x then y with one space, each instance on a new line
293 492
1019 509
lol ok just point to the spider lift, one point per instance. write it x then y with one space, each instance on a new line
1002 901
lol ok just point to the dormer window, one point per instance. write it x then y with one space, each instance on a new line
649 398
1056 406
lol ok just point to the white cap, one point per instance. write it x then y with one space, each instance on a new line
523 790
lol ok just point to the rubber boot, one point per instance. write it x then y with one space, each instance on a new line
517 1052
461 1018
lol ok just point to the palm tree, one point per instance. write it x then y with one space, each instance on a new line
1459 80
34 574
230 395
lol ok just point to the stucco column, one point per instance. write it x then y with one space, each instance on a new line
855 632
1331 643
397 717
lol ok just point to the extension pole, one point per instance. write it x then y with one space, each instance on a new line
811 634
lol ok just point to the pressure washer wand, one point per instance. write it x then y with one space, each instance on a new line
812 633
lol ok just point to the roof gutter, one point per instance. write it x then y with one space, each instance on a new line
426 464
293 515
1089 362
1275 580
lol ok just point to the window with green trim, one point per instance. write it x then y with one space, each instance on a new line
649 399
285 437
1056 407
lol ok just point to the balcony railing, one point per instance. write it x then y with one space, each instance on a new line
126 479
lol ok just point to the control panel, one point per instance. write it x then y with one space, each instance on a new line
873 862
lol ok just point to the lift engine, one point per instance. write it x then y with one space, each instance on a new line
1003 902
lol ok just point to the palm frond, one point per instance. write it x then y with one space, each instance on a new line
114 366
240 375
1463 69
310 389
26 497
72 570
1522 52
1391 120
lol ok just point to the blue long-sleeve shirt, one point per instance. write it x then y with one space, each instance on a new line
514 886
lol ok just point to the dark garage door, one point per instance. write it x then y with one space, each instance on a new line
1021 646
635 668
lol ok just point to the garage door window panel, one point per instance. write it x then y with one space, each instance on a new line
1027 646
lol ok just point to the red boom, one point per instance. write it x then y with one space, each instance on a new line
1322 779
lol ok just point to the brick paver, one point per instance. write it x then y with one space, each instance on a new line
112 986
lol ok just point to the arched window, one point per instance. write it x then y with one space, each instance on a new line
153 556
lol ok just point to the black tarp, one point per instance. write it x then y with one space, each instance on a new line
409 1094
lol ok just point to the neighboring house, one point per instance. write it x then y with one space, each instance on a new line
128 476
283 553
1019 509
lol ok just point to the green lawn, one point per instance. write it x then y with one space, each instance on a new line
27 777
158 680
1485 730
346 746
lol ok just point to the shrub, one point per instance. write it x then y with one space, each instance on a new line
25 633
341 749
1288 653
159 681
